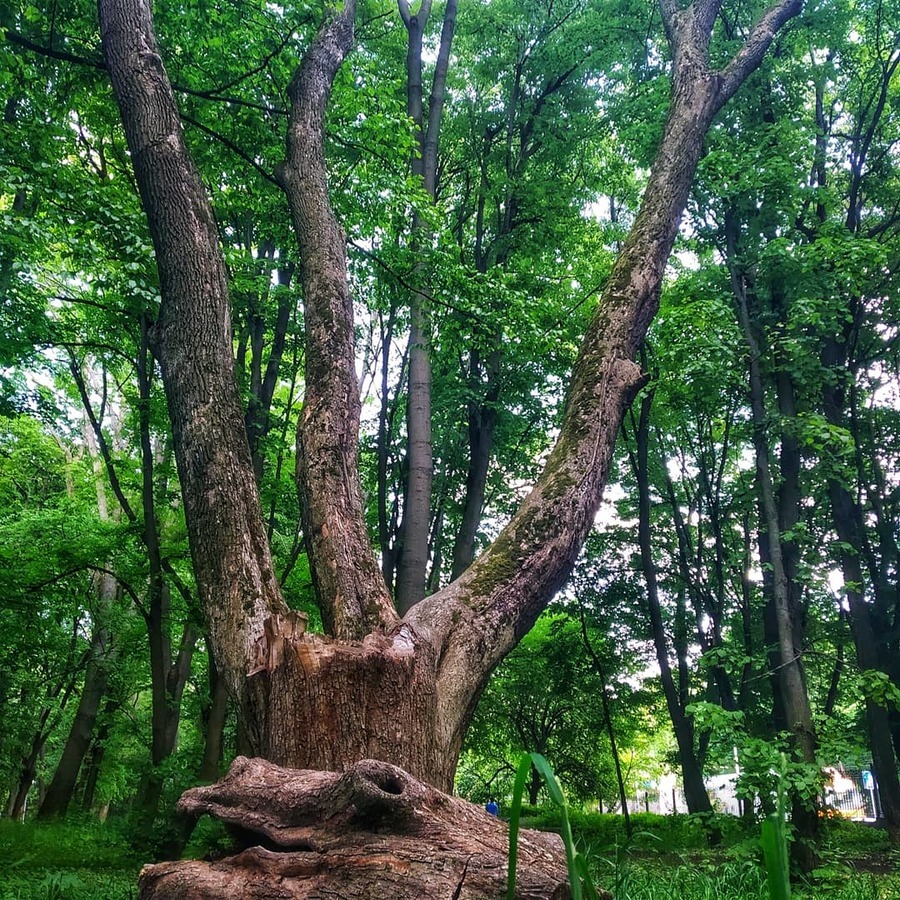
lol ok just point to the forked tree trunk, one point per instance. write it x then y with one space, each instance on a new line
402 690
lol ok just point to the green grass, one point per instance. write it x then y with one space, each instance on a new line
668 860
68 884
733 881
66 861
673 833
668 857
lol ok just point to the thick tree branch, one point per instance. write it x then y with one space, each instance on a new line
192 340
748 58
62 55
481 616
352 595
670 10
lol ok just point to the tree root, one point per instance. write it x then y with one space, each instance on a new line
371 832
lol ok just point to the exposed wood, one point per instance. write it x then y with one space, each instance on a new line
400 690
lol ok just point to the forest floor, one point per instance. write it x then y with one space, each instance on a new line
87 861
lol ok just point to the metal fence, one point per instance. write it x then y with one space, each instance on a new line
848 793
852 794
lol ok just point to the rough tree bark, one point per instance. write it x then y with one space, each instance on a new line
325 834
377 686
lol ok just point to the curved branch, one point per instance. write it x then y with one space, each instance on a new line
481 616
268 176
748 58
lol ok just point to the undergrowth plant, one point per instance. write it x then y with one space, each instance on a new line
579 877
774 843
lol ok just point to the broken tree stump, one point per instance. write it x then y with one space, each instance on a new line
373 831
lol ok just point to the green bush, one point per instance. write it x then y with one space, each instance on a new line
651 831
855 837
64 845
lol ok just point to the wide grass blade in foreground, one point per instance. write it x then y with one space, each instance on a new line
774 844
579 876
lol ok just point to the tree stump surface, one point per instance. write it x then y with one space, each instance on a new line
370 832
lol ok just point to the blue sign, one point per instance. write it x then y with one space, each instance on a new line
867 780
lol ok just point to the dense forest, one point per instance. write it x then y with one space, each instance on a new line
434 384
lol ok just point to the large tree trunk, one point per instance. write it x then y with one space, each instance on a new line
237 585
378 687
351 591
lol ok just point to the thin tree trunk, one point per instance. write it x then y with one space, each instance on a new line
59 794
790 677
847 521
482 421
215 727
262 383
413 560
102 655
47 721
692 775
610 729
90 771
